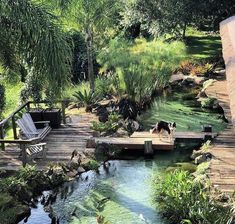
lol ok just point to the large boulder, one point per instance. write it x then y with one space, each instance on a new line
133 126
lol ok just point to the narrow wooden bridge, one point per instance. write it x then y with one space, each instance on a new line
141 140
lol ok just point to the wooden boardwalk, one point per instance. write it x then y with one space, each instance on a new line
222 166
61 143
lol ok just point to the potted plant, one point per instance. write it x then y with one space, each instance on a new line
51 113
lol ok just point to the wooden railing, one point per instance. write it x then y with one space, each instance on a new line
12 118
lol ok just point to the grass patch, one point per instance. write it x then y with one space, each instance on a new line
12 97
203 46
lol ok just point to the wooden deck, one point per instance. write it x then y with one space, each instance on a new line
60 144
222 166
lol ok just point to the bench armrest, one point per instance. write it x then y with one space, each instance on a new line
41 122
39 144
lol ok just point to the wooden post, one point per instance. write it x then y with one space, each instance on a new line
28 106
148 149
63 112
14 127
2 137
24 154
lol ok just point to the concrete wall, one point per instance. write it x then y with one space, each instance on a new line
227 33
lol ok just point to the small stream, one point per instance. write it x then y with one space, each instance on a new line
123 193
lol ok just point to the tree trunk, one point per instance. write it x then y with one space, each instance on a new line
184 30
89 45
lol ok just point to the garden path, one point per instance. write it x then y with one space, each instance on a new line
222 166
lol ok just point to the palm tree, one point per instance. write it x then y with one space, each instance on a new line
93 18
31 37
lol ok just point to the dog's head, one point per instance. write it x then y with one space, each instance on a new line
172 126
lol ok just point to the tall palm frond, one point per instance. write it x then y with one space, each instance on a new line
34 36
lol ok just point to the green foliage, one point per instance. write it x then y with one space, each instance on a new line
32 38
208 102
188 67
27 173
142 66
12 93
91 165
202 168
86 97
190 167
106 85
180 198
206 146
71 89
111 125
9 209
203 45
161 17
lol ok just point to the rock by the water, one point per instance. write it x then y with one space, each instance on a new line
80 170
201 159
121 132
133 125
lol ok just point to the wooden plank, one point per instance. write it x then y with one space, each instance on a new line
177 135
136 143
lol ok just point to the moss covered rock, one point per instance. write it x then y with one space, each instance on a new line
90 164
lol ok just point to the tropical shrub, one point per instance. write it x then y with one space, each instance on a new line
109 126
86 98
106 85
186 66
208 102
182 200
142 66
10 208
91 165
205 69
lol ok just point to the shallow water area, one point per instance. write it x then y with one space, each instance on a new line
186 113
122 193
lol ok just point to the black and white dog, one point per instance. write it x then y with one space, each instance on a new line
163 126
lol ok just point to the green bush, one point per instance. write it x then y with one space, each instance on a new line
182 200
109 126
86 98
142 66
106 85
208 102
91 165
10 208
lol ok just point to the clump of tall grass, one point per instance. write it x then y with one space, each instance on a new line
181 199
70 90
142 66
